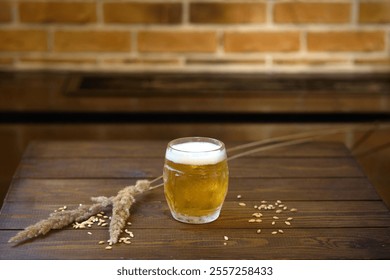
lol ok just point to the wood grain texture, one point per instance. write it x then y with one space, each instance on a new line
340 215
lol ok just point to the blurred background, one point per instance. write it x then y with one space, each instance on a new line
234 70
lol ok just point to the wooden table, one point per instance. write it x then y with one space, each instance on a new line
340 216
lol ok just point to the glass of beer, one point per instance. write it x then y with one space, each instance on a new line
196 179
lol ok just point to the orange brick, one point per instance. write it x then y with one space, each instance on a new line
227 12
5 12
298 12
92 41
179 41
57 12
374 12
142 12
23 40
261 41
346 41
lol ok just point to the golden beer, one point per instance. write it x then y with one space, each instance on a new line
195 179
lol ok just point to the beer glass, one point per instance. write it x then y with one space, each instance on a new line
195 179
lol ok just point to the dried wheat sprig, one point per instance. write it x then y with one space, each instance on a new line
290 137
121 207
58 220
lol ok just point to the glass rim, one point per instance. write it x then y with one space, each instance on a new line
220 145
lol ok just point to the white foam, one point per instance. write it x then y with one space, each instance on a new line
196 153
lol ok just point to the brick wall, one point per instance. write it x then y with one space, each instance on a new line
260 35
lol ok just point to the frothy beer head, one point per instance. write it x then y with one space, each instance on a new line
196 153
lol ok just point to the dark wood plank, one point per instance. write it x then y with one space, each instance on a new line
63 190
146 149
150 168
156 215
334 243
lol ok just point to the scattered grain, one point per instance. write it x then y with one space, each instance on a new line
275 217
289 218
101 242
281 231
258 220
273 223
239 196
293 209
242 204
287 223
278 211
274 232
226 238
108 248
90 233
258 231
251 220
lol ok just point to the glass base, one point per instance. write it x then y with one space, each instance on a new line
196 220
